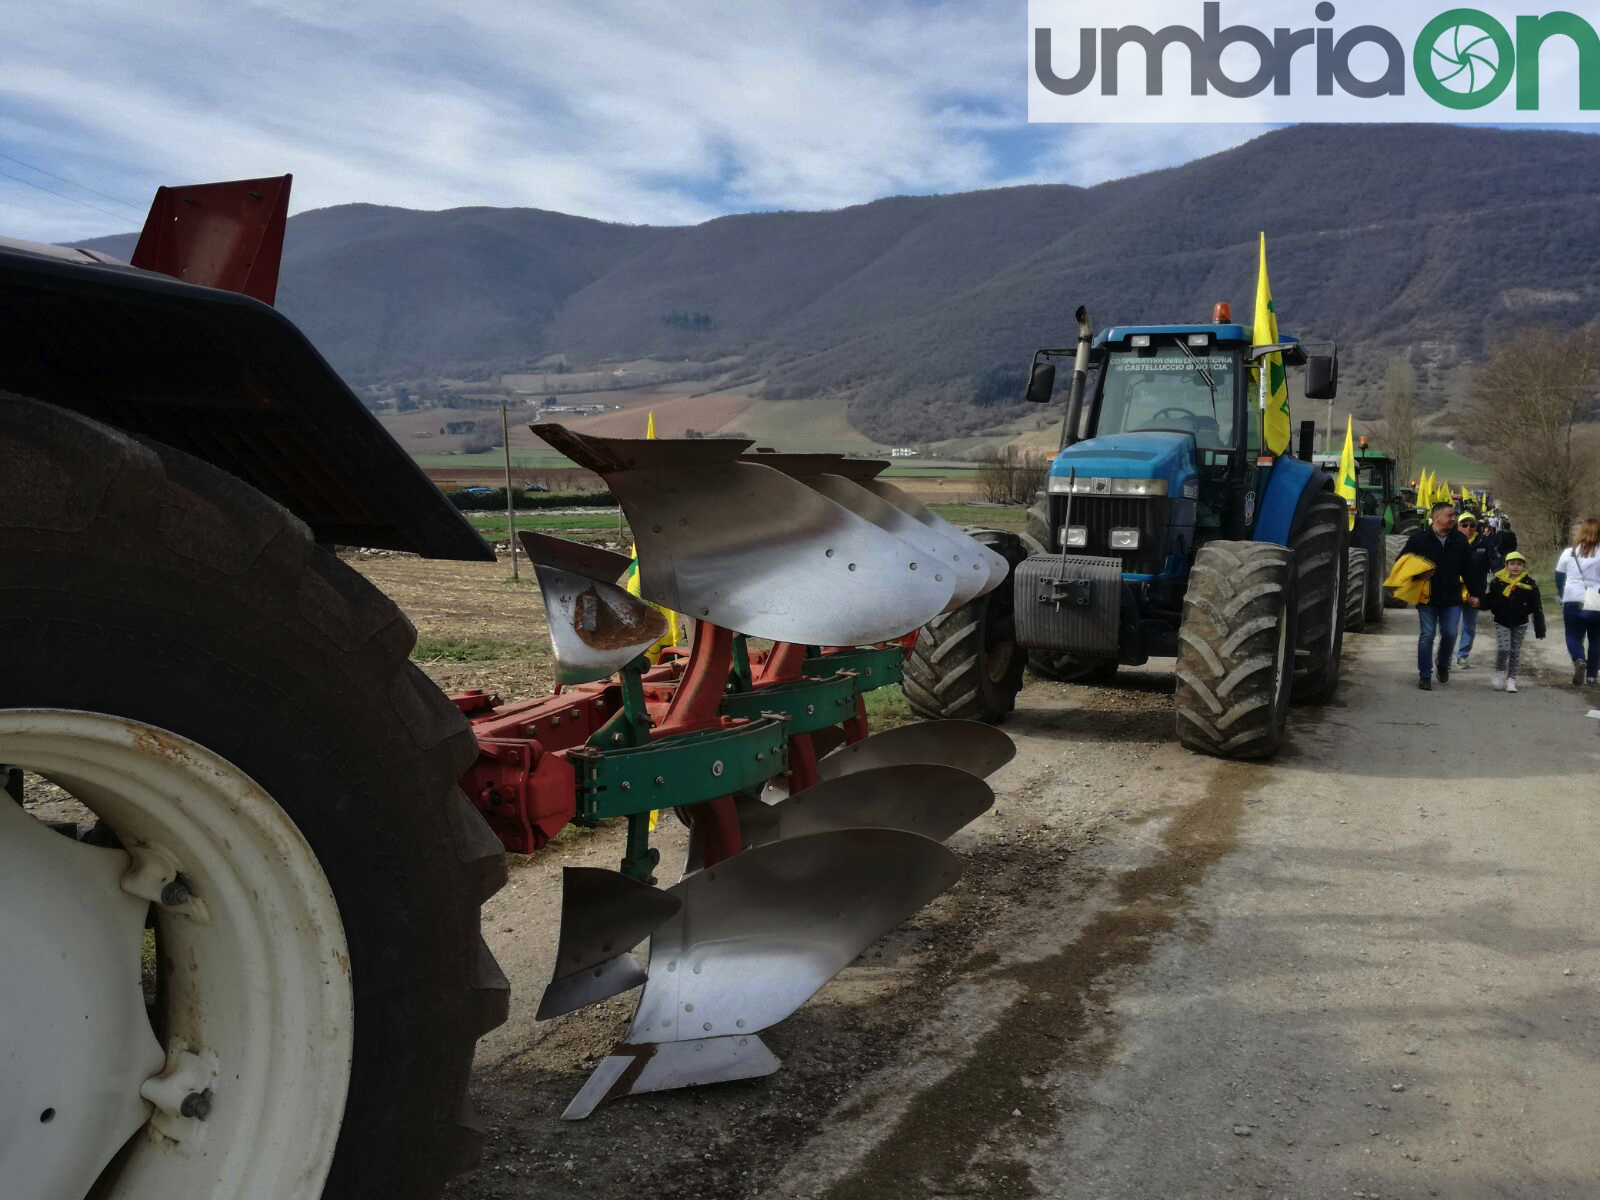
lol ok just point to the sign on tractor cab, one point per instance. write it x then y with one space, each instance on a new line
1162 388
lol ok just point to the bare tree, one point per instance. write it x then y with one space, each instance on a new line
1011 476
1400 415
1529 405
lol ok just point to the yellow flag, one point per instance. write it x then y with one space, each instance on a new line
1345 481
674 633
1277 429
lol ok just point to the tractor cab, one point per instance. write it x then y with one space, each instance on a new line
1162 453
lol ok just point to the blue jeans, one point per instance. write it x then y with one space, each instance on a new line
1443 623
1469 632
1578 624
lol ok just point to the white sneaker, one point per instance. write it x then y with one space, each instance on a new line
1511 685
1498 681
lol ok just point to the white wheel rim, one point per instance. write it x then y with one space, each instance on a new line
256 998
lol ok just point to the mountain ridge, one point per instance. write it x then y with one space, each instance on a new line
1389 239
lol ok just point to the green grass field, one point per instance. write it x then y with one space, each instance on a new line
1447 464
930 472
990 518
493 525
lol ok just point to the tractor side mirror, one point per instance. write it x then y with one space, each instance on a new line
1322 377
1041 383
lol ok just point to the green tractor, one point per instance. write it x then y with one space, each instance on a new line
1380 494
1166 529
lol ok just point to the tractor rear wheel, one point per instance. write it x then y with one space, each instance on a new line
276 790
1394 545
1236 649
1355 590
1319 546
966 664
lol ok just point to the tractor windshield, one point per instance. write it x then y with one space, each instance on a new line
1166 387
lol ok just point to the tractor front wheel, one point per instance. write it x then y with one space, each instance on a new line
966 664
276 835
1236 649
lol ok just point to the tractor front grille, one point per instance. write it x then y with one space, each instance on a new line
1099 515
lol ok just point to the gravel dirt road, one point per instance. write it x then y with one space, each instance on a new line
1367 969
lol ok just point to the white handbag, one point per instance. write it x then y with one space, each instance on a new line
1591 591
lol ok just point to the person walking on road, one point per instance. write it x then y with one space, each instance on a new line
1439 616
1467 523
1513 597
1578 581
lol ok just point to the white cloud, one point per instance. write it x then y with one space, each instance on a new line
631 111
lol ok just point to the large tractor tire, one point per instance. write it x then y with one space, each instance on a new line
276 792
1236 649
1394 545
1320 544
1355 590
1377 572
966 664
1068 668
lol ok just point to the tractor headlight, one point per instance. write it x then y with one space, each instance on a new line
1075 537
1082 485
1138 487
1124 539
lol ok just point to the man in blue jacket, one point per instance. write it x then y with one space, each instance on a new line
1454 570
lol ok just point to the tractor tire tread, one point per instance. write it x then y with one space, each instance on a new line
1319 546
1240 594
144 582
945 675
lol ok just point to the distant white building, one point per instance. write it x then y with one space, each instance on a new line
903 452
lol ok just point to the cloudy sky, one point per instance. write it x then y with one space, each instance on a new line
627 110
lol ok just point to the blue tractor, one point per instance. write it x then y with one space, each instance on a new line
1165 529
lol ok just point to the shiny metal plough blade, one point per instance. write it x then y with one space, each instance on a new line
999 568
750 549
972 746
924 798
962 557
662 1066
757 936
604 915
595 626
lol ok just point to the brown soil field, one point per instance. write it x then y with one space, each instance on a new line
675 415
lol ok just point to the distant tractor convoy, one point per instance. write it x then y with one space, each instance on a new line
246 840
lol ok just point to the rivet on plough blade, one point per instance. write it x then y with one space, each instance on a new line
972 746
595 626
750 549
604 915
959 554
932 800
757 936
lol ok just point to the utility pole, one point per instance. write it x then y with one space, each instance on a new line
511 499
1327 440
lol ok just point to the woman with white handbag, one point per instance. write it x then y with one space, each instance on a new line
1578 581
